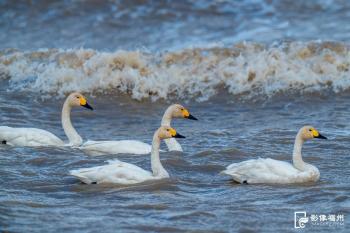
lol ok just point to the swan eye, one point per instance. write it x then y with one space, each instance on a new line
310 130
77 97
167 130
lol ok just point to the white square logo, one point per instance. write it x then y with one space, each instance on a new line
300 219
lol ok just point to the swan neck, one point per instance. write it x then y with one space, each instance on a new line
157 167
167 117
73 137
297 157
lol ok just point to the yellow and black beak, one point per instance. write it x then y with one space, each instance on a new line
190 117
187 115
177 135
316 134
320 136
85 104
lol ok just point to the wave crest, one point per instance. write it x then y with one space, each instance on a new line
246 69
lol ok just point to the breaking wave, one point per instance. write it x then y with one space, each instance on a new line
245 69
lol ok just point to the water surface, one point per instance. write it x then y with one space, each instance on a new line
253 72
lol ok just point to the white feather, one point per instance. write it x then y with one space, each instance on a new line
116 147
28 137
270 171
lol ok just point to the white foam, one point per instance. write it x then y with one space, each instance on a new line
247 69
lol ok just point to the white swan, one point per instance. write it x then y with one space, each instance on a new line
279 172
137 147
34 137
118 172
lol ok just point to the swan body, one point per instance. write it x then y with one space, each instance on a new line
31 137
175 111
116 147
278 172
270 171
118 172
34 137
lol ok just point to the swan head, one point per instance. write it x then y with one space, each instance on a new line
165 132
76 99
308 132
179 111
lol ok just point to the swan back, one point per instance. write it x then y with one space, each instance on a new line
28 137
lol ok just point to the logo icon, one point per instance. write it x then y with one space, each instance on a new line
300 219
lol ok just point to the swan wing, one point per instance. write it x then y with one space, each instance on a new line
263 171
116 172
116 147
28 137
